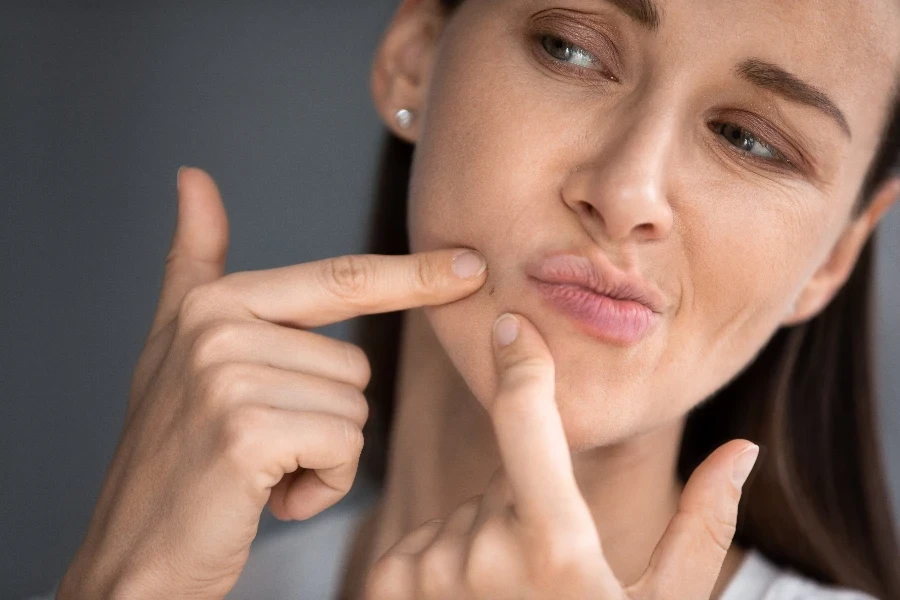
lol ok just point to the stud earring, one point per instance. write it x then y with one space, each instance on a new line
404 118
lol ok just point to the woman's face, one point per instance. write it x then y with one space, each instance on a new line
725 192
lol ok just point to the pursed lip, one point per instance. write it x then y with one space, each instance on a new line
595 273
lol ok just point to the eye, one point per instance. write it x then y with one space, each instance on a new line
747 142
564 51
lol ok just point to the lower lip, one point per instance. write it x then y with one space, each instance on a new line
618 321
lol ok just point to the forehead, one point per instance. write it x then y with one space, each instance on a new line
850 49
837 39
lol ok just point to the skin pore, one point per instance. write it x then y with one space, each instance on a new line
619 139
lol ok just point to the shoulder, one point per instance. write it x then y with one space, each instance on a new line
760 579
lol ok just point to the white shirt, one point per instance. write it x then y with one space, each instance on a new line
304 560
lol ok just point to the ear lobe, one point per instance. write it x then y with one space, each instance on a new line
402 64
833 274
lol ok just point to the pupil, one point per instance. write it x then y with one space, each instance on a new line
560 46
737 134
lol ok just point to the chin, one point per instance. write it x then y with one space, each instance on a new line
604 391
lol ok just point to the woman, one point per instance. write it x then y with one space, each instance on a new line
675 201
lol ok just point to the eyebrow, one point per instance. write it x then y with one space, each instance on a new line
758 72
644 12
788 85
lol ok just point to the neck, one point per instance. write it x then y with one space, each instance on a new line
443 452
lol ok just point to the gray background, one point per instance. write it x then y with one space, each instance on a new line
100 103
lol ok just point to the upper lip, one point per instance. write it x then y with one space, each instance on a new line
597 274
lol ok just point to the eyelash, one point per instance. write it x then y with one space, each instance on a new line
780 161
561 64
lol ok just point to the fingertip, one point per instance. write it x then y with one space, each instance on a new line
506 330
468 264
743 464
514 334
202 228
182 173
195 176
716 472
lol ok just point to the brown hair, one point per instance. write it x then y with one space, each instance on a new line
818 500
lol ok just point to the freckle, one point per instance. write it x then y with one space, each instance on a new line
491 293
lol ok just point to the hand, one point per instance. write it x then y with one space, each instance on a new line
233 406
531 534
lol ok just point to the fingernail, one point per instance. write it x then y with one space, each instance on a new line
506 329
743 464
468 264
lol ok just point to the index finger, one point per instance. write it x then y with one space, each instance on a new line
530 431
323 292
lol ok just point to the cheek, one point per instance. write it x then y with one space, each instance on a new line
600 392
737 271
481 180
478 175
744 260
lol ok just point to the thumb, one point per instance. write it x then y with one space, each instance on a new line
199 243
689 556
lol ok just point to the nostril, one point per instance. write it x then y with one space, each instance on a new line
589 213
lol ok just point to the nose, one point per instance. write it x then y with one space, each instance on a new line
620 194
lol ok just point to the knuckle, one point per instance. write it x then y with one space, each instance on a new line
483 562
359 407
526 373
352 436
560 556
425 273
342 439
434 568
241 434
224 382
528 370
211 344
721 530
703 527
357 440
197 304
348 277
553 556
350 403
385 577
358 366
463 518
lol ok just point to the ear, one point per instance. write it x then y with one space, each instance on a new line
835 271
402 65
